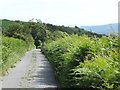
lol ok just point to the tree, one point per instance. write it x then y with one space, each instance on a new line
76 27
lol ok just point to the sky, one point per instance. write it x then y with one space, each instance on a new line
61 12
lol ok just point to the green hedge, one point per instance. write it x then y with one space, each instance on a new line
84 62
12 51
0 52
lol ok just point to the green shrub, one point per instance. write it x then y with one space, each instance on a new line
12 50
100 72
85 62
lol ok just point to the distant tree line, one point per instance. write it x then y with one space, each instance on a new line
39 32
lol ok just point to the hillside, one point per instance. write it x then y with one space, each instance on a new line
52 28
102 29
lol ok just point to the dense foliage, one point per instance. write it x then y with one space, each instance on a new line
0 54
39 31
12 51
71 30
79 61
85 62
27 31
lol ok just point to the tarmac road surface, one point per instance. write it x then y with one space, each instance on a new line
33 71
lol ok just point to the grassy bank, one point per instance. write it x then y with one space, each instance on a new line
12 51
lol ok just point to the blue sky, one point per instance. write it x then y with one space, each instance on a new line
62 12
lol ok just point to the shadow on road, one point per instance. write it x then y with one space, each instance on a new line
45 75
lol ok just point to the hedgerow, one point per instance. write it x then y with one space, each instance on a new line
85 62
12 51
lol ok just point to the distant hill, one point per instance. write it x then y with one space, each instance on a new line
102 29
50 27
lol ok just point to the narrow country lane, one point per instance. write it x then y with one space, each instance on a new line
33 71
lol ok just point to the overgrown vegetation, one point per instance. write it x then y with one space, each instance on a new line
12 51
71 30
40 32
85 62
0 46
80 59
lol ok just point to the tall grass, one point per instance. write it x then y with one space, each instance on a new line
12 51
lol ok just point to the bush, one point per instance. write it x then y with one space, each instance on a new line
85 62
12 50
